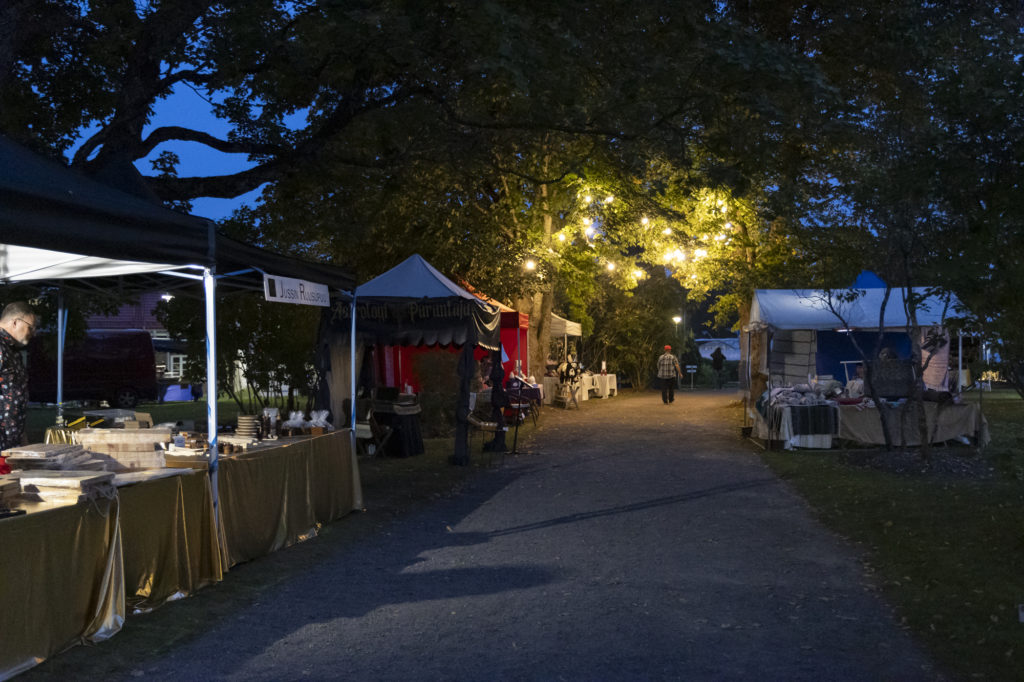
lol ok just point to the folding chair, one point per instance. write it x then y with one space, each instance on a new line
371 436
519 405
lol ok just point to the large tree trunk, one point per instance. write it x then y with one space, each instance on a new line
538 305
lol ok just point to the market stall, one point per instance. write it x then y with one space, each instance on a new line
806 341
73 568
560 330
413 304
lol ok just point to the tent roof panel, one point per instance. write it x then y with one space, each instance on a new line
821 310
562 327
412 278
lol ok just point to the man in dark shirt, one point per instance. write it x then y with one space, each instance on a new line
17 325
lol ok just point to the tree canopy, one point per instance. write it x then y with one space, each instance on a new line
736 145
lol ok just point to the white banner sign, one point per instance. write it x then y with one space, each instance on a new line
288 290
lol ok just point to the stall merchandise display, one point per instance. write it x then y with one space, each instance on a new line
130 448
10 491
52 456
65 487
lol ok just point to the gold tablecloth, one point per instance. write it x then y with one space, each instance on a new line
273 498
70 572
169 538
61 580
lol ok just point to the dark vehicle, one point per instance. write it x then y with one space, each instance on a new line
116 366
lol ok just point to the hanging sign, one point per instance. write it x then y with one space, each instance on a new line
301 292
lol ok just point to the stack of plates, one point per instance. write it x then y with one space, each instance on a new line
248 425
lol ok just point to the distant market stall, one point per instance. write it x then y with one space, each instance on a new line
800 353
412 304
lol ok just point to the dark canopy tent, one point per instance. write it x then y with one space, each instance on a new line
45 205
414 304
60 227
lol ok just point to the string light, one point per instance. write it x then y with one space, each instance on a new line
589 231
530 265
644 220
561 236
609 199
587 199
700 253
639 274
611 266
667 230
728 226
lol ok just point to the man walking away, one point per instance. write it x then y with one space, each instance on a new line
668 370
718 365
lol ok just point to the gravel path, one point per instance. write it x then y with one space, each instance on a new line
634 541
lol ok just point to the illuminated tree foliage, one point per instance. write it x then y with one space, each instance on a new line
743 144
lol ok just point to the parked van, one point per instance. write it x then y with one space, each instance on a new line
116 366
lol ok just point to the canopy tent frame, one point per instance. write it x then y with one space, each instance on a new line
414 304
44 203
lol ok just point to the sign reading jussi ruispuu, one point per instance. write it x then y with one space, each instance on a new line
288 290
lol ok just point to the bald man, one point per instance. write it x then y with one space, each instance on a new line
18 324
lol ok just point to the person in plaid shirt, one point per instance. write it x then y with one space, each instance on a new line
668 370
17 325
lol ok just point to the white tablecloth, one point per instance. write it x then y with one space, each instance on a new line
550 385
607 385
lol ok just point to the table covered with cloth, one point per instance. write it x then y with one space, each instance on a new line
946 421
798 426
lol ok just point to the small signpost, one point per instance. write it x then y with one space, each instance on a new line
691 370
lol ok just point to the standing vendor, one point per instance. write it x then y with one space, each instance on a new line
17 325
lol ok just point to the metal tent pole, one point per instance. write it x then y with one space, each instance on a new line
62 322
209 291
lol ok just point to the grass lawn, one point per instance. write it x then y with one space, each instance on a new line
947 551
40 418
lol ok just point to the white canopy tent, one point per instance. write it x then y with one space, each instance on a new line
559 326
845 309
782 311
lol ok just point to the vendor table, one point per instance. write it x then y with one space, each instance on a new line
799 426
169 536
63 582
272 498
404 421
70 572
607 385
550 385
946 421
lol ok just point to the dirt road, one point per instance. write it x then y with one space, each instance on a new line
635 541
